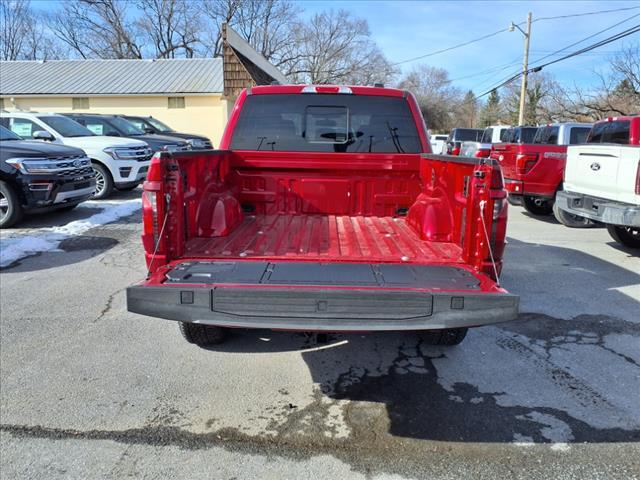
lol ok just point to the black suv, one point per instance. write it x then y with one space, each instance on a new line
37 177
153 125
116 126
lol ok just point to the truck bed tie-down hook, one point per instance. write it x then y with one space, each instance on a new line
483 203
167 198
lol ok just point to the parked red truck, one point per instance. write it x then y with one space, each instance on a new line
533 171
323 210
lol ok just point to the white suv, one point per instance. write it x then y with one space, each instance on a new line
120 163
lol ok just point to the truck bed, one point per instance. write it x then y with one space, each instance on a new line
325 237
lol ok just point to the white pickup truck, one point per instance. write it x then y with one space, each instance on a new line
602 179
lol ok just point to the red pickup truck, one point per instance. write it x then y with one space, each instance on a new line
323 210
533 171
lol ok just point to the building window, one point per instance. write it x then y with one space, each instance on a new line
80 103
176 102
1 103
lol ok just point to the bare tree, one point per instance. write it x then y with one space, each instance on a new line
171 25
437 98
617 91
97 28
15 22
336 47
23 34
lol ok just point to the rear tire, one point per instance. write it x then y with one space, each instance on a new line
537 205
628 236
570 220
202 335
446 337
104 182
11 211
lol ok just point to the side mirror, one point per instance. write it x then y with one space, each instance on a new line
149 130
42 135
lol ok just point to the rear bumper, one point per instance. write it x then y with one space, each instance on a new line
322 309
598 209
519 188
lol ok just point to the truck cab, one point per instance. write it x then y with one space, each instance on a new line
602 179
533 171
323 210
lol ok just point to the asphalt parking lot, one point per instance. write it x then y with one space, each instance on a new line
91 391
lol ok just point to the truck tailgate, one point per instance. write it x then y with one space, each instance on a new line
603 171
322 296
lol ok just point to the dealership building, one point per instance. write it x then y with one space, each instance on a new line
193 95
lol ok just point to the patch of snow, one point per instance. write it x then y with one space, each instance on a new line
48 239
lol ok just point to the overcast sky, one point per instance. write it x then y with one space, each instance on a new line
408 29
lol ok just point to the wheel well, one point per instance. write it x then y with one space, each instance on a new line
93 160
18 191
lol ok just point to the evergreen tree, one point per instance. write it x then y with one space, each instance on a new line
491 112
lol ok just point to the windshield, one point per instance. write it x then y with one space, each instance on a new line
326 123
67 127
124 126
6 134
158 125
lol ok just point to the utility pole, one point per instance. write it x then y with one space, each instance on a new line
525 65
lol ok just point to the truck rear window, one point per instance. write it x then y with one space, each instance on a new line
547 135
466 135
326 123
578 135
487 136
610 132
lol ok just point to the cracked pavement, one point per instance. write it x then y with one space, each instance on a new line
89 390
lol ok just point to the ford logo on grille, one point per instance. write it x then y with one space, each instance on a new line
595 166
77 163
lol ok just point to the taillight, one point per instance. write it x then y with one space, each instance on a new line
154 174
525 162
150 215
638 180
482 153
497 182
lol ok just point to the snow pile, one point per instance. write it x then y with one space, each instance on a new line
48 239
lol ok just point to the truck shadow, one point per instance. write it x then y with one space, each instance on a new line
510 383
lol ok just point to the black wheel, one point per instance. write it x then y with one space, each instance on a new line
10 209
537 205
202 335
128 188
104 182
570 220
448 337
629 236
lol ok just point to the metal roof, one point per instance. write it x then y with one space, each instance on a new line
112 77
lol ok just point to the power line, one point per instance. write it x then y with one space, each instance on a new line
537 68
437 52
585 14
515 75
484 37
